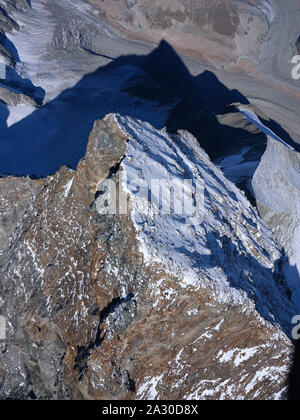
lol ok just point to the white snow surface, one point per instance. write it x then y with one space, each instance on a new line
41 32
232 251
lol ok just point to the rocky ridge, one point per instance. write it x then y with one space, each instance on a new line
96 309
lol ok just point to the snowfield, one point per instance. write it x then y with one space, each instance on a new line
198 251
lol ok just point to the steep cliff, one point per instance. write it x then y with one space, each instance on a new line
276 184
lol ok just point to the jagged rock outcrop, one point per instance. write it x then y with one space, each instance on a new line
13 92
11 98
6 8
138 305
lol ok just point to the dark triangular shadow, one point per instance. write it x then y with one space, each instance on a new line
170 73
216 96
57 133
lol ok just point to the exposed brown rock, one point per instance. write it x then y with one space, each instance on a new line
87 318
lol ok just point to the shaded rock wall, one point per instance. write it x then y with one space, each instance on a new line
276 187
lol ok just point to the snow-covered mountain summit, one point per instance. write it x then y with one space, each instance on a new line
139 305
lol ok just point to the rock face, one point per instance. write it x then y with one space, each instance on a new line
7 24
276 187
12 93
7 7
121 306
